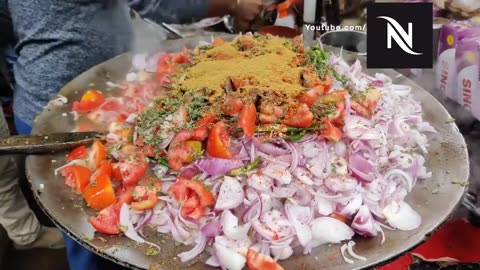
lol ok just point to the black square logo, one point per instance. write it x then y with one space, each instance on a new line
399 35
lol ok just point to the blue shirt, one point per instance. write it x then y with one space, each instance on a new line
58 39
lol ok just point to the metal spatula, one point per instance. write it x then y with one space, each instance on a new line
47 143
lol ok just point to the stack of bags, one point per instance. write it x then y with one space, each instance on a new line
457 70
462 8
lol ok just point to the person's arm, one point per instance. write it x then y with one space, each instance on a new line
182 11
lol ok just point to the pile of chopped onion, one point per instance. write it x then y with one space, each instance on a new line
291 200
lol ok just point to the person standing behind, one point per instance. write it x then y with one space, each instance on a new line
21 224
58 39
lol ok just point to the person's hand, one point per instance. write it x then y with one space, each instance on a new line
247 10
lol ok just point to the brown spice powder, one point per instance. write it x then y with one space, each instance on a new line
269 62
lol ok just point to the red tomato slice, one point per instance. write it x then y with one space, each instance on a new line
326 84
96 155
149 151
331 132
338 119
104 168
183 153
308 97
218 41
192 202
258 261
192 208
116 173
124 194
91 100
248 116
232 106
197 134
206 120
133 170
107 221
180 191
218 144
144 201
299 117
334 97
195 213
99 193
371 100
181 58
77 177
77 153
360 109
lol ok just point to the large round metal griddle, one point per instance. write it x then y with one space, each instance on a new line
434 199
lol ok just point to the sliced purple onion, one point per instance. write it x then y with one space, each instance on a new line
231 194
363 223
195 251
126 220
327 230
212 229
353 206
218 166
229 259
147 217
270 148
253 212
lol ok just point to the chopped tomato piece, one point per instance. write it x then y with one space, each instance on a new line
232 106
144 199
195 213
331 132
191 203
77 153
258 261
217 41
77 177
326 84
371 100
91 100
96 155
338 119
218 144
107 221
181 58
334 97
116 173
308 97
360 109
180 191
183 153
197 134
299 116
149 151
206 120
163 70
99 193
105 168
133 170
248 116
124 194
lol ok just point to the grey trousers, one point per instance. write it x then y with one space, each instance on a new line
16 217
